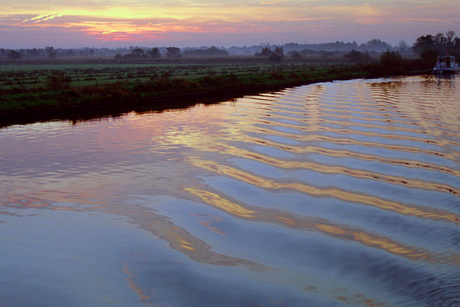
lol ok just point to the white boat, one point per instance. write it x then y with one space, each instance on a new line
446 65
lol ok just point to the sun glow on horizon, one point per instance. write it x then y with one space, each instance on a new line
274 21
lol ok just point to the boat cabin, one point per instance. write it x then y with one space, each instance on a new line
446 62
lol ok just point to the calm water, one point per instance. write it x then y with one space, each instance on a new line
334 194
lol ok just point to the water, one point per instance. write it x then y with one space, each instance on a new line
333 194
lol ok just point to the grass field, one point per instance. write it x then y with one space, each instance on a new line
68 84
25 74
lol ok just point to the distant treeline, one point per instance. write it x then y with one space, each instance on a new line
374 45
440 43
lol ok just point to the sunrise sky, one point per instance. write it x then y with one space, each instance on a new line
180 23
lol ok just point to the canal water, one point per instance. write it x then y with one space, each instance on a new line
331 194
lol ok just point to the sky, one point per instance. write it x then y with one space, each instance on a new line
194 23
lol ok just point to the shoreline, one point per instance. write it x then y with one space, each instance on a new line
81 103
106 107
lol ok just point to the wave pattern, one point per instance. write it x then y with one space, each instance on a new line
375 164
332 194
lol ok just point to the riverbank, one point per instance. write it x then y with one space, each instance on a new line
58 99
82 91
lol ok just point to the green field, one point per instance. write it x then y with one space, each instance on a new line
86 72
29 88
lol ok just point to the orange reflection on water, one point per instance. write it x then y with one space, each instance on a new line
221 203
342 232
431 106
387 132
331 229
182 241
352 154
316 124
349 141
159 226
327 169
329 192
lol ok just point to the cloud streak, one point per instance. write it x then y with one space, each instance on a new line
41 18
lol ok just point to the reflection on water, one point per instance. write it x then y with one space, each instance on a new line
333 194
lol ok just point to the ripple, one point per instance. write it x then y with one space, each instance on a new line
332 194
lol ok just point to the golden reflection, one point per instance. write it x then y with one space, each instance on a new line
316 124
314 130
194 140
386 130
178 238
350 154
100 191
326 169
327 192
330 229
390 110
348 141
429 132
186 244
342 232
430 106
221 203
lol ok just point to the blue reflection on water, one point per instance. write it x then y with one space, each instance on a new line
152 212
76 259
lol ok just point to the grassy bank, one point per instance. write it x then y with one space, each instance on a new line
57 88
50 90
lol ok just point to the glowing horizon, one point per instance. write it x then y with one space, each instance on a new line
26 24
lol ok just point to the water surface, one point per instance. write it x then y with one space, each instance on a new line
332 194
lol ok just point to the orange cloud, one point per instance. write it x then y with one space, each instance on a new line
146 29
252 21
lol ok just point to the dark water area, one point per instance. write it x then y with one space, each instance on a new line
332 194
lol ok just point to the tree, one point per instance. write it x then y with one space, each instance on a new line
138 53
265 52
33 53
279 52
391 63
440 43
209 52
375 45
403 47
51 52
453 42
14 55
429 56
173 52
456 43
450 35
277 55
294 54
154 53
